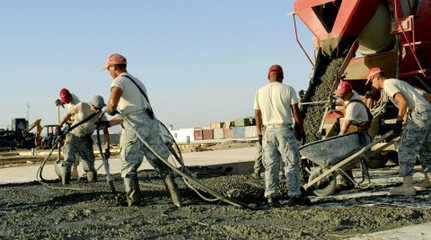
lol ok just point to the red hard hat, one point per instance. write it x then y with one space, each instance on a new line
343 87
65 95
276 69
372 73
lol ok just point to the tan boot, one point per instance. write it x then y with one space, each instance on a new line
425 184
74 171
406 189
172 188
256 173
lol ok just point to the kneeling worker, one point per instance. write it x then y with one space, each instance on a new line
79 141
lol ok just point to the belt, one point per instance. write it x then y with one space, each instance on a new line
142 110
278 125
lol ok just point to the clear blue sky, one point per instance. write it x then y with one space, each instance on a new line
201 61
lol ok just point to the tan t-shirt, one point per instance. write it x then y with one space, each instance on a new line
82 111
392 86
356 111
274 100
132 99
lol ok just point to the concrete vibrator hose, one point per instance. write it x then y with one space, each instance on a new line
195 182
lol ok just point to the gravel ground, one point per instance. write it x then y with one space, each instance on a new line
35 211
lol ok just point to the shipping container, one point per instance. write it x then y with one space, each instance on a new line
207 134
243 122
218 133
250 132
228 133
229 124
216 125
239 132
184 135
198 134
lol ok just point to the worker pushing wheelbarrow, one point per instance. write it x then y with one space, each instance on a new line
335 155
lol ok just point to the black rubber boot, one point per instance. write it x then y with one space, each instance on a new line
133 194
172 187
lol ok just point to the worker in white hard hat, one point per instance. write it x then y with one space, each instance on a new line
414 113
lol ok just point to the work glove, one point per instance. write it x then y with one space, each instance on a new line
330 104
259 138
107 153
103 124
58 131
398 127
58 102
301 138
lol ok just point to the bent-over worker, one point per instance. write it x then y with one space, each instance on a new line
355 114
415 113
78 140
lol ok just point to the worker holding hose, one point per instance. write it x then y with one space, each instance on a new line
70 100
356 114
78 140
414 112
129 95
276 105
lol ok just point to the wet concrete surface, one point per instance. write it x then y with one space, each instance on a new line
91 211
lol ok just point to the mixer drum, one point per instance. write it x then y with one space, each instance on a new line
375 36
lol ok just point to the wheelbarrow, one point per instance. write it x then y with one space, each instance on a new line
337 154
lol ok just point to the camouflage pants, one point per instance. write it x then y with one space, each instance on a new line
132 150
279 145
82 146
258 165
415 141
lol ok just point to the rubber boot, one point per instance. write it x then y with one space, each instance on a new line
65 175
74 171
133 194
92 176
425 184
172 187
256 173
406 189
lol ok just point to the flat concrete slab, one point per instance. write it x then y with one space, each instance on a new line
415 232
236 160
240 160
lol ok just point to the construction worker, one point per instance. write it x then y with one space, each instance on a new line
78 140
70 100
355 114
414 112
129 95
274 104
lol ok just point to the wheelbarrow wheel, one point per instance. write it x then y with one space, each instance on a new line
325 186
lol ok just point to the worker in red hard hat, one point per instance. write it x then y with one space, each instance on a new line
276 105
129 95
414 112
355 114
71 100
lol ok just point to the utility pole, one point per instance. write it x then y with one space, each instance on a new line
28 114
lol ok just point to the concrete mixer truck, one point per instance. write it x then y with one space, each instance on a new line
353 36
